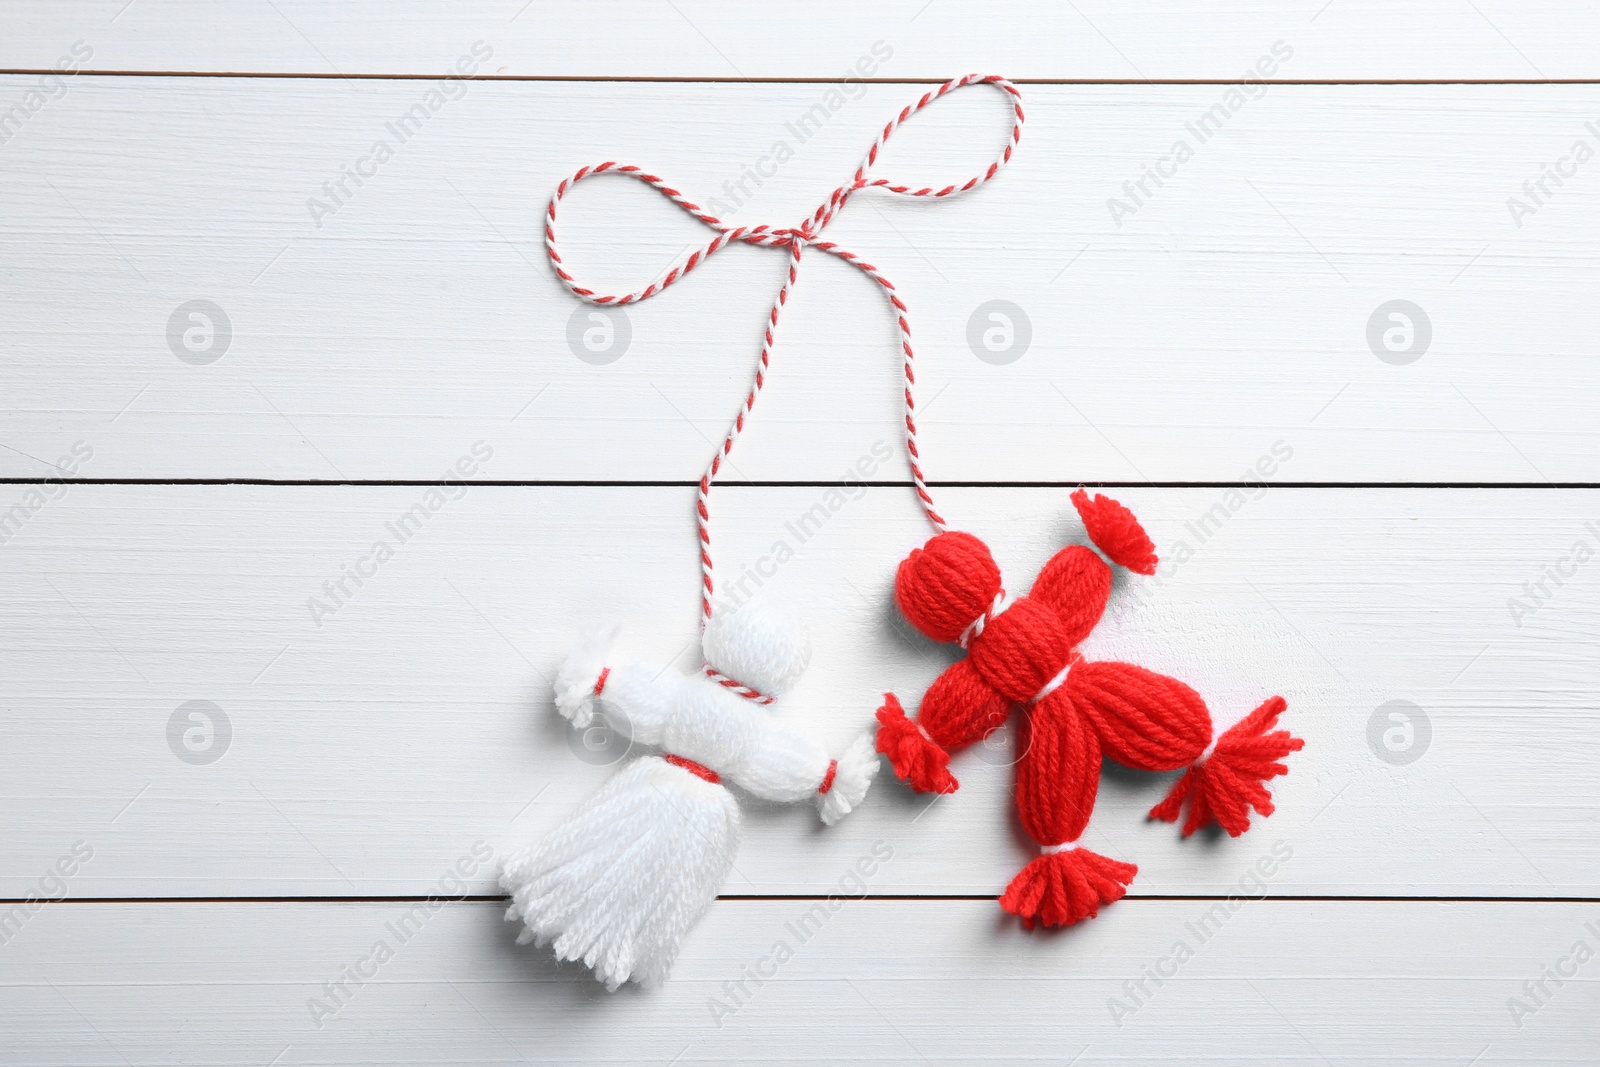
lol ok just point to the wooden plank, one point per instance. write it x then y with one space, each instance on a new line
365 754
1489 39
1280 983
422 313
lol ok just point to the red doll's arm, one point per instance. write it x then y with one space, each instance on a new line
958 709
1075 584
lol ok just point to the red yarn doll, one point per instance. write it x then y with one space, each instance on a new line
1023 651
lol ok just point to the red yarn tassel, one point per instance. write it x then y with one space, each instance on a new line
917 760
1061 888
1119 535
1225 785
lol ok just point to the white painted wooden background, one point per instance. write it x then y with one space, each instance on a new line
167 520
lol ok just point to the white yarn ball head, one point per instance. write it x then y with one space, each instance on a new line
758 645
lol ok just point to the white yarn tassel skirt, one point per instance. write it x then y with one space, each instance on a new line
621 881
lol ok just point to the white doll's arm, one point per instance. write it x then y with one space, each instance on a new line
702 721
652 705
643 697
788 766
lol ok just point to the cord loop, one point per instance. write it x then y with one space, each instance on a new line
796 239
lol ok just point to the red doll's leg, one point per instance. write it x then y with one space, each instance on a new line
1144 719
1058 775
1156 723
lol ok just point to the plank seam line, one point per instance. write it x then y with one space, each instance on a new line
730 80
642 483
807 897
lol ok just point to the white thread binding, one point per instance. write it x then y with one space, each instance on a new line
1002 601
1055 683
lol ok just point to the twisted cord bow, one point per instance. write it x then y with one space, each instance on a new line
796 239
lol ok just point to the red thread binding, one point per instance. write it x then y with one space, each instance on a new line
795 239
1074 711
699 770
827 779
600 683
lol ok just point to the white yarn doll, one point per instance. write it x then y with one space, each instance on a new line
621 881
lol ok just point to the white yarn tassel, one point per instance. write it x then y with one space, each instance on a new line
850 781
620 882
575 679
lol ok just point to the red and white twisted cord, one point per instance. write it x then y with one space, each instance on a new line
733 685
795 239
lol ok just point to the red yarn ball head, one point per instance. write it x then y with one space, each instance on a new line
946 584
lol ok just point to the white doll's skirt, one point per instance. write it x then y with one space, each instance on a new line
621 881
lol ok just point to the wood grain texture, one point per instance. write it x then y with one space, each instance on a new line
368 752
1204 327
1230 310
1303 984
1344 39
